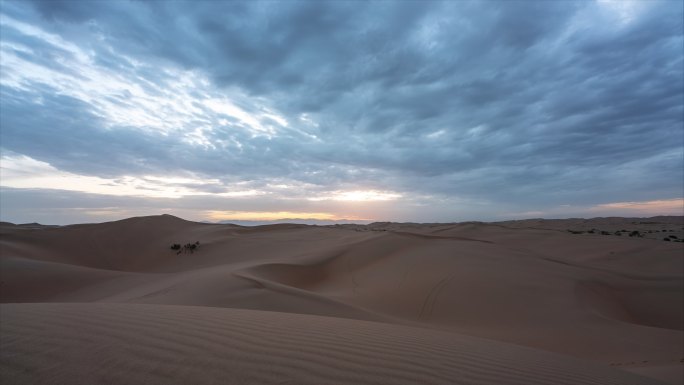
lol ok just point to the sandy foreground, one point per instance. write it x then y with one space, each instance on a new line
520 302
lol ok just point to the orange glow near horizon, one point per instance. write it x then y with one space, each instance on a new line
657 207
273 216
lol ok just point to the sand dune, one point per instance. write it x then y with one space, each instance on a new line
154 344
592 305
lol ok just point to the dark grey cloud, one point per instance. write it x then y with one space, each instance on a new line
519 102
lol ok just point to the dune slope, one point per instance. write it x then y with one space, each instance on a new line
155 344
614 300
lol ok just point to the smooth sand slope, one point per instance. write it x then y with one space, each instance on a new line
588 308
124 343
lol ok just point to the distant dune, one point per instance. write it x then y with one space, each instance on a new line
573 301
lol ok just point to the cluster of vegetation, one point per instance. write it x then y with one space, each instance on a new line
187 248
618 233
633 233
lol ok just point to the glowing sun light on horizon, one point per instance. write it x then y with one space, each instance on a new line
273 216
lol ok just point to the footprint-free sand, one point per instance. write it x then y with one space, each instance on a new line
519 302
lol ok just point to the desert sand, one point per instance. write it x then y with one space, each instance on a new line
519 302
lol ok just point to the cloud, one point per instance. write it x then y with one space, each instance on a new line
358 196
512 104
24 172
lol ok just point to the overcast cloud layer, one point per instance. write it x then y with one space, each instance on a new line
403 111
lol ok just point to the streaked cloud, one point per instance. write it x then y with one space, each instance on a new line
425 111
27 173
358 196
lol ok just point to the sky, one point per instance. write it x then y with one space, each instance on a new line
340 111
